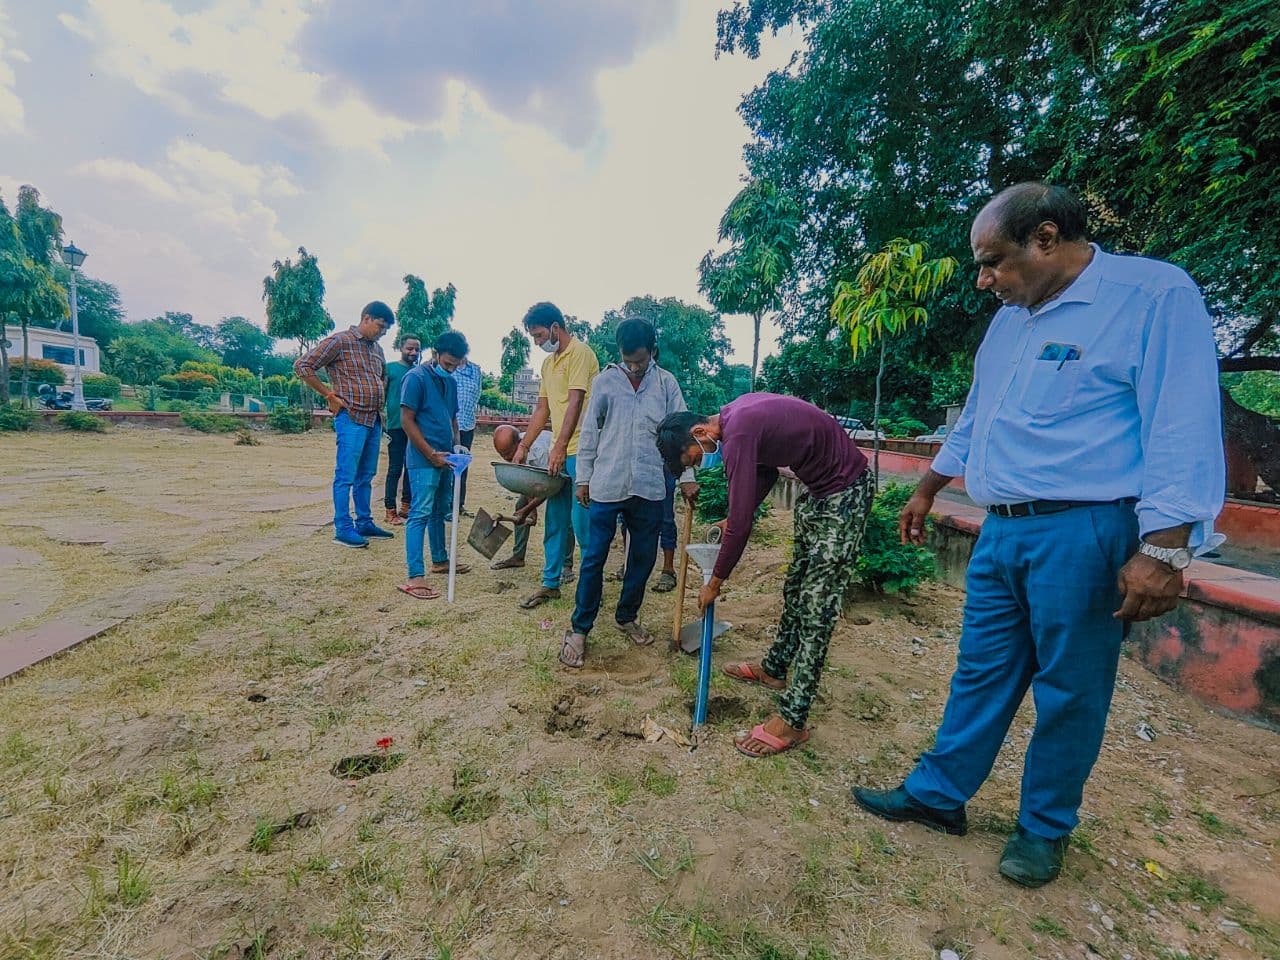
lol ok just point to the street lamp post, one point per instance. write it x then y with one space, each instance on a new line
73 257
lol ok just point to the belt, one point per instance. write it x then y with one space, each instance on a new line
1038 508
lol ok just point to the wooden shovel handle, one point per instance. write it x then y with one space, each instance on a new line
686 533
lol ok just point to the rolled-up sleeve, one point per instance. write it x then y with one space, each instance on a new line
317 358
1184 469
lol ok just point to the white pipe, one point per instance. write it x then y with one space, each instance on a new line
453 534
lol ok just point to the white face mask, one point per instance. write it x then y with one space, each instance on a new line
549 345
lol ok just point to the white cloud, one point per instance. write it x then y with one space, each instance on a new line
242 47
216 166
12 112
130 173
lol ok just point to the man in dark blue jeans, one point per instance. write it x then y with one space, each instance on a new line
620 475
355 395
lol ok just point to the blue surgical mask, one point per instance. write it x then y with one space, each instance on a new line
711 459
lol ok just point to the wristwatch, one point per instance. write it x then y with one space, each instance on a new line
1179 558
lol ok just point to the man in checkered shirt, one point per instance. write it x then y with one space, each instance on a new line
355 396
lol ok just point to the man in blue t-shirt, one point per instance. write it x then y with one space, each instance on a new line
429 417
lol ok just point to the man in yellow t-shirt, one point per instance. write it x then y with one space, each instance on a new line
566 386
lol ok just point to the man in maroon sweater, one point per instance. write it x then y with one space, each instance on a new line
754 436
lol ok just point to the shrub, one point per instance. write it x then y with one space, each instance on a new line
493 400
14 418
713 496
101 385
885 563
289 420
903 427
82 422
210 422
41 371
191 380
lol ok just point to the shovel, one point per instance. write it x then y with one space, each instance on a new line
488 534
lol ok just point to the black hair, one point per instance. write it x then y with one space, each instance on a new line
543 314
379 311
674 436
400 340
1020 209
634 334
452 343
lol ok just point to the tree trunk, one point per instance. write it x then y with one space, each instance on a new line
1257 436
755 351
4 364
875 417
26 368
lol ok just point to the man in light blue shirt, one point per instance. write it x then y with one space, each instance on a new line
1093 436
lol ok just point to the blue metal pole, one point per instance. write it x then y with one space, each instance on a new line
704 666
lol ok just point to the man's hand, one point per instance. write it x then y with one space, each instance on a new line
708 594
911 520
556 459
335 404
437 459
1149 588
521 453
584 494
526 516
690 492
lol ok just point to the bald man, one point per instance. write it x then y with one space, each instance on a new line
505 440
1092 435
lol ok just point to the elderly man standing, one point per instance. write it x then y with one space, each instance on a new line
1092 435
567 374
470 381
355 394
620 475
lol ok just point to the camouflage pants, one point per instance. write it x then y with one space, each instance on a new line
828 533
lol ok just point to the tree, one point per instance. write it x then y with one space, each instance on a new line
762 224
691 344
40 230
515 355
137 360
425 315
294 295
173 335
888 297
243 344
101 315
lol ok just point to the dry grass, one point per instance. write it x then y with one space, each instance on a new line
144 792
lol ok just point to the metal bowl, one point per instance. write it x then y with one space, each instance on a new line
526 480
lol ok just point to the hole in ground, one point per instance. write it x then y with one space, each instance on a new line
362 765
256 698
723 709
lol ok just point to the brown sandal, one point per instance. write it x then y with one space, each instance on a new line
419 591
577 652
539 597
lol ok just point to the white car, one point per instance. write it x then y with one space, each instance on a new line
858 430
936 437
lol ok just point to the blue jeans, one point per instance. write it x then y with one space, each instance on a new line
1038 614
667 538
353 473
642 519
564 513
432 501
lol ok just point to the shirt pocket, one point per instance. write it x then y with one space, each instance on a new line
1049 389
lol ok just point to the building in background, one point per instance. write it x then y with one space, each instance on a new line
58 346
526 386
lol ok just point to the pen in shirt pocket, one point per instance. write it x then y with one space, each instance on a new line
1073 353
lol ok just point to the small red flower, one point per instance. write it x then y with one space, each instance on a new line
385 743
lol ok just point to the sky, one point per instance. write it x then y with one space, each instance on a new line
578 151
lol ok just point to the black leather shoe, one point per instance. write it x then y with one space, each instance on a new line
1032 861
899 806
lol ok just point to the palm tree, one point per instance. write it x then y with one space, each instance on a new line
762 225
888 297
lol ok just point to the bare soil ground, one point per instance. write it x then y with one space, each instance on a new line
168 790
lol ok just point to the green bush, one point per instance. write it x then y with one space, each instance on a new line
41 371
210 422
82 422
101 385
14 418
175 406
885 563
713 497
903 427
289 420
493 400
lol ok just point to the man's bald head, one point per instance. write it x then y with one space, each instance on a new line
505 438
1017 212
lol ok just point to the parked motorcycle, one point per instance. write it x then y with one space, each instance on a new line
52 399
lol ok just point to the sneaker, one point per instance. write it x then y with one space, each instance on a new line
375 532
349 538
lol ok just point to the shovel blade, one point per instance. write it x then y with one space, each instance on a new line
691 635
487 535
